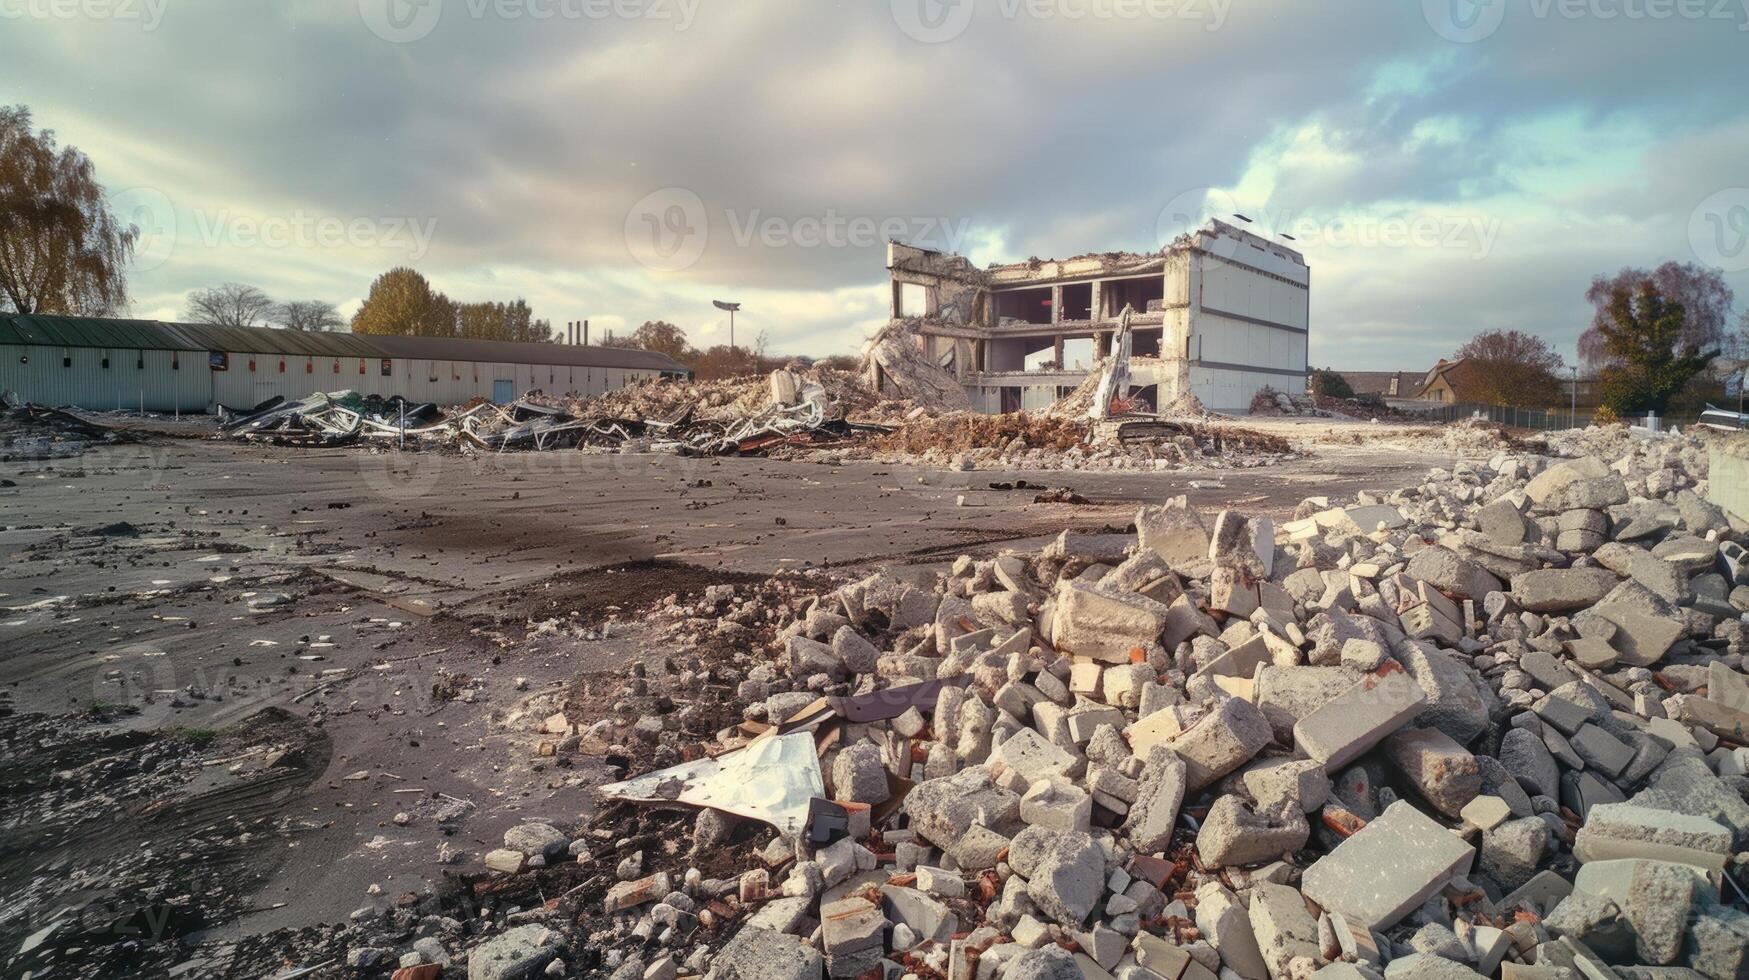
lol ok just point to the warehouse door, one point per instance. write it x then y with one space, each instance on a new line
503 391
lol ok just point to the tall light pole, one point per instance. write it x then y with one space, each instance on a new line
731 307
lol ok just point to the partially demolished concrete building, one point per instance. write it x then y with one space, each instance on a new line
1220 313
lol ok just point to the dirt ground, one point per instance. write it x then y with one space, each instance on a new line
280 685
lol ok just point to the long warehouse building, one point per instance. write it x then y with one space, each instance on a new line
146 365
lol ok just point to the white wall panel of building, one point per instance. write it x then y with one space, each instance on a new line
1228 341
169 381
1234 289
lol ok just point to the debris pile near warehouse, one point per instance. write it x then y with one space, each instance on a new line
802 415
34 432
1492 725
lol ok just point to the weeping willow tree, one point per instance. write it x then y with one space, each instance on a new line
61 248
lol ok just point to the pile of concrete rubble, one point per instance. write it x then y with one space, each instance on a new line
1492 725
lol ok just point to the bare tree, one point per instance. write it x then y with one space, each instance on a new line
230 305
61 248
308 316
1512 368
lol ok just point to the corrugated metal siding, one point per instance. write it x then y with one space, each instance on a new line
171 381
93 332
183 380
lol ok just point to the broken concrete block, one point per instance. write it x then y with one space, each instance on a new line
1512 850
1032 756
1232 834
1058 804
1562 589
1388 868
858 775
1174 532
1067 877
1451 573
928 919
1442 771
1656 898
1285 930
1226 924
1092 622
849 926
1300 782
1150 820
759 954
1359 718
942 810
1626 830
1221 741
1287 694
1456 704
1718 943
1427 966
517 953
1601 750
1232 591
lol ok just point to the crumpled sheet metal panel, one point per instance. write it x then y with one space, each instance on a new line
771 780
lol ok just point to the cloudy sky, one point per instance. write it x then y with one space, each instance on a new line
1449 166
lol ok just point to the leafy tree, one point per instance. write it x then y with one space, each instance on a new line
1701 292
1644 341
61 248
308 316
402 302
664 338
1326 383
233 304
1512 368
502 321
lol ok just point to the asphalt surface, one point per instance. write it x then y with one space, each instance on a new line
399 571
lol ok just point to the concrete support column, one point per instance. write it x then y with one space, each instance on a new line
1096 309
1101 345
1057 346
1056 304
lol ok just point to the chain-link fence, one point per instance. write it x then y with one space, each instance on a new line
1539 419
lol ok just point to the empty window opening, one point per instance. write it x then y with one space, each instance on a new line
1145 294
1027 305
913 299
1078 301
1145 343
